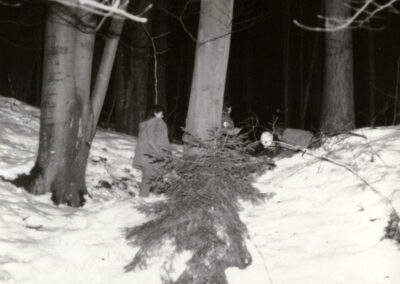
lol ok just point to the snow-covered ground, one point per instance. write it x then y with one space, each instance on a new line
325 224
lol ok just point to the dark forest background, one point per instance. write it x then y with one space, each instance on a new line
270 59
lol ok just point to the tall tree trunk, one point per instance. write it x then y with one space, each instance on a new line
36 85
119 84
133 100
67 120
160 34
212 52
21 46
286 29
104 72
179 93
396 111
21 72
63 150
338 102
307 92
371 77
249 80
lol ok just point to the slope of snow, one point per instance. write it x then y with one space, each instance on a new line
324 225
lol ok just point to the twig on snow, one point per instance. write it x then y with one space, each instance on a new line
347 167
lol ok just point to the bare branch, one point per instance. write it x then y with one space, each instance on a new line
363 14
106 8
180 19
153 45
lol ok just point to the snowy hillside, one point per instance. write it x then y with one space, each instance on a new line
325 225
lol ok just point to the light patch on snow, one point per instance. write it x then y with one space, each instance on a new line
324 225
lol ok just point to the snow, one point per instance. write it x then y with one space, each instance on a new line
324 225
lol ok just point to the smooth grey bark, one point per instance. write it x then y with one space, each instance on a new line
337 113
106 65
67 120
211 61
62 128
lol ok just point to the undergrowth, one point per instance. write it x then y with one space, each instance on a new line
392 230
200 213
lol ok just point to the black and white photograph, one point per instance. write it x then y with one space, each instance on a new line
200 141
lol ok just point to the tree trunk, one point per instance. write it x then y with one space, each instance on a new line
212 52
160 32
286 26
371 77
338 102
298 100
307 92
63 148
67 122
104 72
249 80
179 94
132 100
20 49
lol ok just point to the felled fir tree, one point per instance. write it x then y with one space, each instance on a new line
200 211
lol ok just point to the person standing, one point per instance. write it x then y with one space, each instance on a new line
226 120
151 144
227 124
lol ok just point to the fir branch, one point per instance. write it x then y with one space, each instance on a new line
201 210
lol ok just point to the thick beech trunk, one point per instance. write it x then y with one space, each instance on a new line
67 124
212 52
63 148
338 102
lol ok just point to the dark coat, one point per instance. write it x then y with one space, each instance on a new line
152 142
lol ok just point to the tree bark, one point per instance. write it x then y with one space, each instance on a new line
338 102
249 80
104 72
371 78
60 165
212 52
67 123
133 99
286 26
160 32
179 93
307 92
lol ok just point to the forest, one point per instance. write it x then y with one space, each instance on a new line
80 79
277 71
328 67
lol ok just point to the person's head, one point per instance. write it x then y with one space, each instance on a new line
266 139
157 111
227 108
